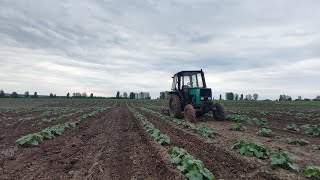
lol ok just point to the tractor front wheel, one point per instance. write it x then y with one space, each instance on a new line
174 106
218 112
190 113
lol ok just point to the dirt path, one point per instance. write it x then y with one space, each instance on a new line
111 146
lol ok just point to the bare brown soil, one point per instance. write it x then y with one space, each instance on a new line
110 146
276 143
114 145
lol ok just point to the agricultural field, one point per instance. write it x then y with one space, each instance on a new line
136 139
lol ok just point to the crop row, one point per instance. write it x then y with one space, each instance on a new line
282 159
154 132
203 131
193 168
51 132
62 116
312 130
56 111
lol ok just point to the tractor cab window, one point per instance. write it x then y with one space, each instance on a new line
199 78
175 83
192 80
186 82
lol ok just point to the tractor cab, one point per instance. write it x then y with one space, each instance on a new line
192 89
188 79
189 91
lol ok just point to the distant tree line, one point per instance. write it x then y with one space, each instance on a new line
16 95
254 97
51 95
132 95
164 95
146 95
232 96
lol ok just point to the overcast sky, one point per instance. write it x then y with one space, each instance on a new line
244 46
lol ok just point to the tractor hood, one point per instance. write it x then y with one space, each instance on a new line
201 94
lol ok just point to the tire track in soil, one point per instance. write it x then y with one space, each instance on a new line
111 146
222 163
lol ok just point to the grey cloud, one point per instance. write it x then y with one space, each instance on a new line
105 46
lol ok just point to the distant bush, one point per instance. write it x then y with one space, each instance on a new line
14 95
2 94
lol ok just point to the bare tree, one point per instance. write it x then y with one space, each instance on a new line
255 96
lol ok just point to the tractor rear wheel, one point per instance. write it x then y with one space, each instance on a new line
174 106
218 112
190 113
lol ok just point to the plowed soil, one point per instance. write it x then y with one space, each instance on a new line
217 155
115 145
109 146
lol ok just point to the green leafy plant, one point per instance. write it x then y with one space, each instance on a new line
189 165
49 119
312 130
47 134
283 159
208 114
302 116
70 124
154 133
249 148
316 146
203 131
265 132
296 141
237 118
262 113
292 127
33 139
237 127
312 172
258 122
161 138
51 132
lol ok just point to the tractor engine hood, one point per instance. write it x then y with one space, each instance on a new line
205 94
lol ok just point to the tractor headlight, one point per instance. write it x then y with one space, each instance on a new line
202 98
209 98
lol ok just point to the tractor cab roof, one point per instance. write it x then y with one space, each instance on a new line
186 72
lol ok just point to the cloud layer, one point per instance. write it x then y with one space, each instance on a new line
269 47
